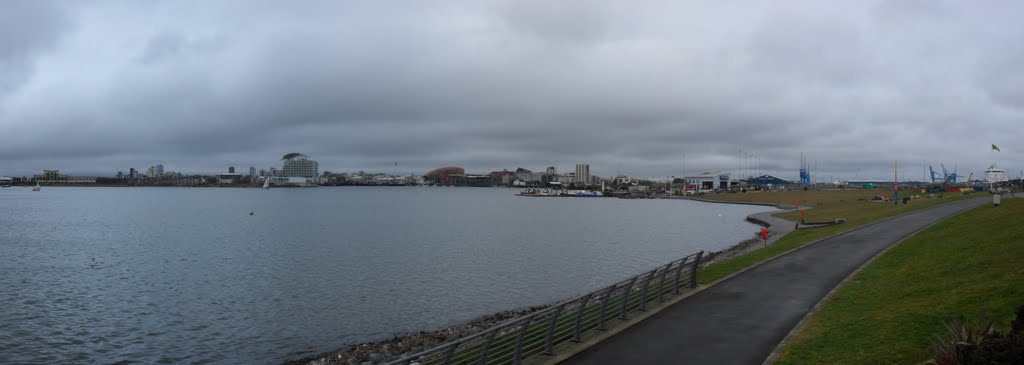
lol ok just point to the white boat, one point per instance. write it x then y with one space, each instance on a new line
37 187
266 183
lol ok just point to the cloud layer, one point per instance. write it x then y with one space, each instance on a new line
93 87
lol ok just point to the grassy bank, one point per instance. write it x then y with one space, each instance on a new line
967 265
853 205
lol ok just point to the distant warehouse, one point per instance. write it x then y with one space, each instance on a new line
456 176
55 177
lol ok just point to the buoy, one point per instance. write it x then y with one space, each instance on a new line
251 212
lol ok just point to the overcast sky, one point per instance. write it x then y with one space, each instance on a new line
92 87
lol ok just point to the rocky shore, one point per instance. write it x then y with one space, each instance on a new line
377 352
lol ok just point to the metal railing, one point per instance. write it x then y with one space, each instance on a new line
572 320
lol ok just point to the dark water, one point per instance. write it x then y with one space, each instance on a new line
178 275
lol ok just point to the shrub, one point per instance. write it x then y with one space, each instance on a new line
978 343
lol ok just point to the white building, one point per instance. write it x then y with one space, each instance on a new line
582 174
297 165
155 171
994 175
708 180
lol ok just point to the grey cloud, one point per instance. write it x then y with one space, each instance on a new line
26 28
504 84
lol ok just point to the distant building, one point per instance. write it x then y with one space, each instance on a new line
252 171
132 173
456 176
299 165
503 177
444 175
582 174
55 177
229 178
767 181
552 170
155 171
708 180
51 175
231 169
995 175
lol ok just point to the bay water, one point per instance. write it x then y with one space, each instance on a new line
252 276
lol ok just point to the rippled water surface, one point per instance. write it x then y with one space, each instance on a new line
179 275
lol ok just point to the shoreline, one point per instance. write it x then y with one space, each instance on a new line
380 351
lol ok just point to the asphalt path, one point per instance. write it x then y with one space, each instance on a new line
742 319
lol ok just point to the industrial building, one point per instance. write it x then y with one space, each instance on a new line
768 182
708 180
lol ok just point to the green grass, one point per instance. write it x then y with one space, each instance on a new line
967 265
853 205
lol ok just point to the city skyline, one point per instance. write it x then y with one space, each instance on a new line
94 87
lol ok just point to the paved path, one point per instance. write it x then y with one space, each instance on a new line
742 319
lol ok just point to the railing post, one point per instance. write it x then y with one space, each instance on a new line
577 333
625 297
486 346
661 283
549 347
643 292
679 272
604 305
520 338
693 273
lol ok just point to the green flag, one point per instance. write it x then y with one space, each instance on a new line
995 148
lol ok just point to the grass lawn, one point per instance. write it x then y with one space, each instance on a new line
853 205
967 265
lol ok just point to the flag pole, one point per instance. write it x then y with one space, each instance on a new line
896 182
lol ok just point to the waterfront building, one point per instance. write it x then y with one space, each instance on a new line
582 174
299 169
155 171
529 178
995 175
229 178
552 170
708 180
132 173
252 171
769 182
444 175
55 177
456 176
503 177
299 166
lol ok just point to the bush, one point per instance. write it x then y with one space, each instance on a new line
970 344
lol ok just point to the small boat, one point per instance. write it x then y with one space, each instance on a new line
266 183
37 188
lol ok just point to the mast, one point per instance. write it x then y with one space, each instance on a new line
896 182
